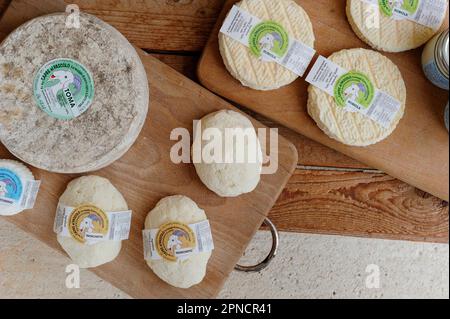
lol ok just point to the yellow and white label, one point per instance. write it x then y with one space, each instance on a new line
89 224
173 241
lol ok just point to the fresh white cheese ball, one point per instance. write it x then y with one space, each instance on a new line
97 191
11 174
181 273
238 177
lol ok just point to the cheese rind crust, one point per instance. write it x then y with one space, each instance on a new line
97 137
353 128
249 69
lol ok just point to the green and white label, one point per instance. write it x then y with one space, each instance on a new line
429 13
269 36
354 91
267 40
63 88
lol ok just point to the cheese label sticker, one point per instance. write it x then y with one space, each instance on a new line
89 224
176 241
17 193
267 40
63 88
429 13
354 91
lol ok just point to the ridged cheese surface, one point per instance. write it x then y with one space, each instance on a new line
391 35
248 68
353 128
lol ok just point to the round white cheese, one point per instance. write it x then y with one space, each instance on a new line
249 69
354 128
390 35
13 176
97 191
72 100
229 175
183 273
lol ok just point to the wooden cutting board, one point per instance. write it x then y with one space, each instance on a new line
418 150
146 174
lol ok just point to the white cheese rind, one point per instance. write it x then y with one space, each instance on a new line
353 128
249 69
187 272
23 173
391 35
97 191
106 130
230 179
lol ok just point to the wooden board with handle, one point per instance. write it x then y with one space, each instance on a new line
146 174
417 152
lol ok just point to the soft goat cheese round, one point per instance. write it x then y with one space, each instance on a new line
249 69
354 128
180 273
232 178
13 176
391 35
97 191
110 123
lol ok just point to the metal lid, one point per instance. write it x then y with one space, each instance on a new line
442 53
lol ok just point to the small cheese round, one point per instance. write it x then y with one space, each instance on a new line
97 191
116 100
354 128
13 176
249 69
180 273
234 177
391 35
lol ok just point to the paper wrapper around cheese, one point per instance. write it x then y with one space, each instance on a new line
390 35
181 273
113 121
248 68
353 128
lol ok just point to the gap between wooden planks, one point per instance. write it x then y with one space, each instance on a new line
320 198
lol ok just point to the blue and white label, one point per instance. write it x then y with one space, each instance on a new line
16 193
11 187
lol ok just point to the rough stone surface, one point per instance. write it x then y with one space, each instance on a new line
307 266
100 135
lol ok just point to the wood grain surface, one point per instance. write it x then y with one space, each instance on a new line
405 154
146 174
341 216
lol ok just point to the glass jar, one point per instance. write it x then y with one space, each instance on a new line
435 60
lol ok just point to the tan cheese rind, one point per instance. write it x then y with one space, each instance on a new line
249 69
391 35
106 130
355 128
181 273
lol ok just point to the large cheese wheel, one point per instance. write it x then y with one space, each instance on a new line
119 101
391 35
354 128
249 69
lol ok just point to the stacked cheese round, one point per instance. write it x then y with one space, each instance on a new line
354 128
114 118
99 192
249 69
383 32
12 173
186 272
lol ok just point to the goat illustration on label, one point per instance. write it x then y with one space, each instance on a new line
175 241
64 89
88 223
10 187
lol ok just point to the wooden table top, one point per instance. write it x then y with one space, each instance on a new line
329 192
